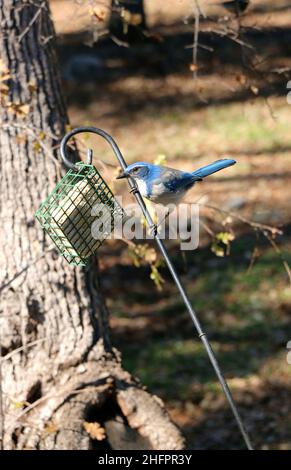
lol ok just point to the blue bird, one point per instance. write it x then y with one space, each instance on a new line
164 185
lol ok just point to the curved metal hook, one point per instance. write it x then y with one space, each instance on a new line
92 130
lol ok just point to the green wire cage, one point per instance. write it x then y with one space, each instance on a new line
69 212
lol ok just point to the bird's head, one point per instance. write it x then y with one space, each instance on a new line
138 171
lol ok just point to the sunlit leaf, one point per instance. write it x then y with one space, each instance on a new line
225 237
20 110
36 146
95 430
19 404
193 67
4 77
217 250
151 255
3 67
254 90
156 277
32 87
50 428
99 12
133 19
242 79
161 159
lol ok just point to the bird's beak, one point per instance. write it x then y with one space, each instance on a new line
122 175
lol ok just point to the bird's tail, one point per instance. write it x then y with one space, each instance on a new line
212 168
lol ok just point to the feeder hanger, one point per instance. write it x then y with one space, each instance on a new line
162 248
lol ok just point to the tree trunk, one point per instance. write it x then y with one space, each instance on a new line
58 367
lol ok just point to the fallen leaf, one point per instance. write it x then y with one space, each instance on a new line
133 19
99 12
32 87
3 67
254 89
36 146
242 79
19 404
4 77
95 430
4 89
193 67
21 138
19 109
50 427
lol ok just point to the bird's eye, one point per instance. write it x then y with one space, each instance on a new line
135 170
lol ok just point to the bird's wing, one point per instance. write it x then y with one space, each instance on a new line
176 180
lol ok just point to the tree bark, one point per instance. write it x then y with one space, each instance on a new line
58 367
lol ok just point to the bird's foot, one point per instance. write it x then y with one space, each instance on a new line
133 190
153 230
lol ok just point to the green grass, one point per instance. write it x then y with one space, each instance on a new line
214 130
250 126
239 311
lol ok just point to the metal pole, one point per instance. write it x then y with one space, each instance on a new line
193 315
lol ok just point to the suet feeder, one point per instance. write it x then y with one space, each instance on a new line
68 213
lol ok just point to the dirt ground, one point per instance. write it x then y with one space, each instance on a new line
146 97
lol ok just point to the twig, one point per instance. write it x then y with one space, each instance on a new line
33 132
32 21
21 348
17 125
66 390
195 38
207 228
202 46
119 42
266 230
271 110
231 34
255 255
28 266
279 252
256 225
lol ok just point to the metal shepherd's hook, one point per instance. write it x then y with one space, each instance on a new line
138 197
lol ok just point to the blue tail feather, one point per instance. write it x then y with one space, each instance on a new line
213 168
